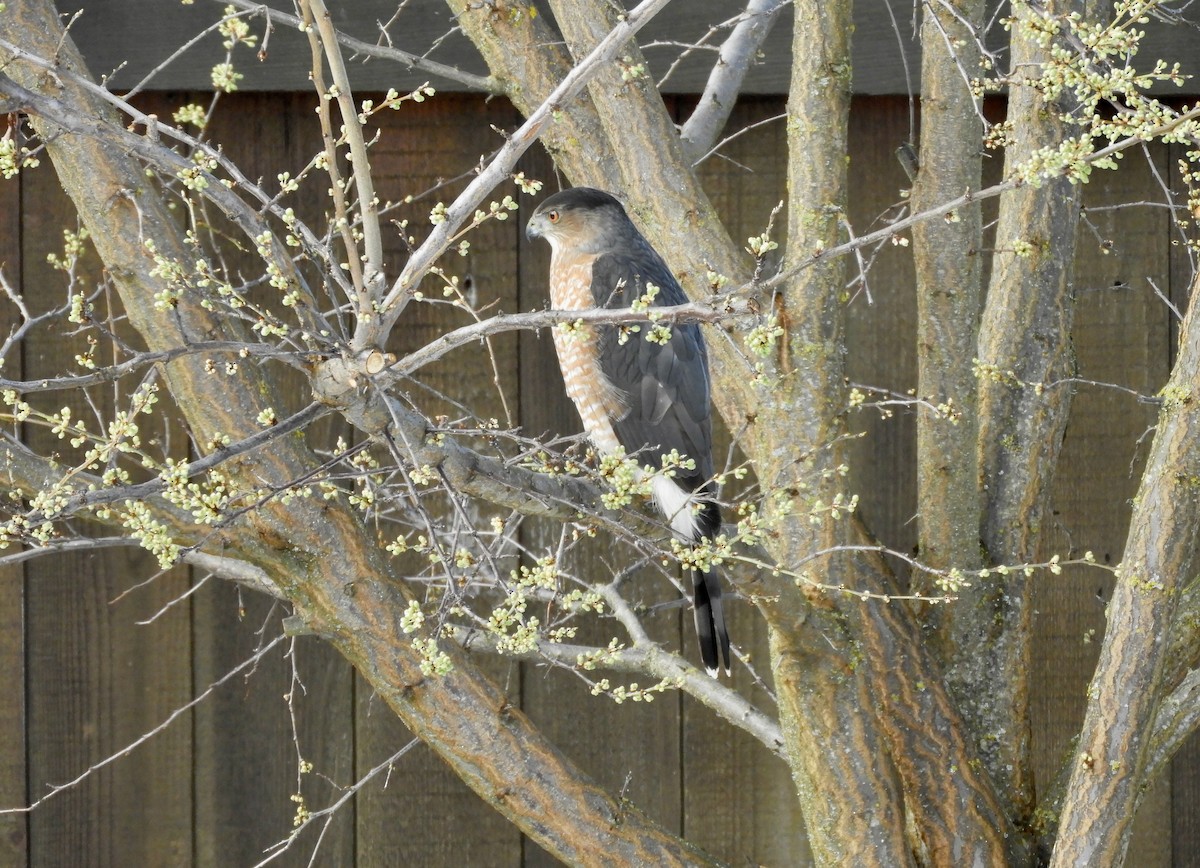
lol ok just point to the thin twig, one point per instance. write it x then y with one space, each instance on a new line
368 204
486 84
55 789
281 847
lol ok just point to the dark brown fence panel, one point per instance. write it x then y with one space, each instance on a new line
425 815
14 837
881 323
97 679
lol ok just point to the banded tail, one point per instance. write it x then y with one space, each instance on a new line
695 525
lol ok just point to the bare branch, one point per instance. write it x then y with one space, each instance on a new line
1160 555
55 547
112 373
721 309
368 203
485 84
280 847
725 81
55 789
648 658
1177 718
735 135
235 570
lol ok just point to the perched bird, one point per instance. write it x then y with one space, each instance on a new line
650 398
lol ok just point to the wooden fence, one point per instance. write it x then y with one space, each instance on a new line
80 678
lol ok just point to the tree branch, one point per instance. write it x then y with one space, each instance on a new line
719 309
360 164
484 84
1162 551
1176 719
725 81
650 659
114 372
1025 328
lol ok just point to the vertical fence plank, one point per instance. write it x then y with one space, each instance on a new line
14 828
99 680
247 749
422 814
881 324
245 762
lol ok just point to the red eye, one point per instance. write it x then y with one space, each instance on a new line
552 216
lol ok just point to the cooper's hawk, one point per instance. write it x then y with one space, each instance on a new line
648 397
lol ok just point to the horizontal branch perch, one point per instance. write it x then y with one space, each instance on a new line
721 309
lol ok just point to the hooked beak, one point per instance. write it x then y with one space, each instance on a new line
533 229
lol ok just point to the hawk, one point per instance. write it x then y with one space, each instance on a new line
647 397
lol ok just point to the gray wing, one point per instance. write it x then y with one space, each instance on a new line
667 389
666 385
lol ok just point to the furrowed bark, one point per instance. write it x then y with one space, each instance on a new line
1162 552
1024 341
838 751
319 555
1184 652
948 258
849 792
1177 718
957 813
848 787
959 818
956 817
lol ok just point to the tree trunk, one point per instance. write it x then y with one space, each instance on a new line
949 265
1024 343
1162 552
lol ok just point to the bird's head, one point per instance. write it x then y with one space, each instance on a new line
581 218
